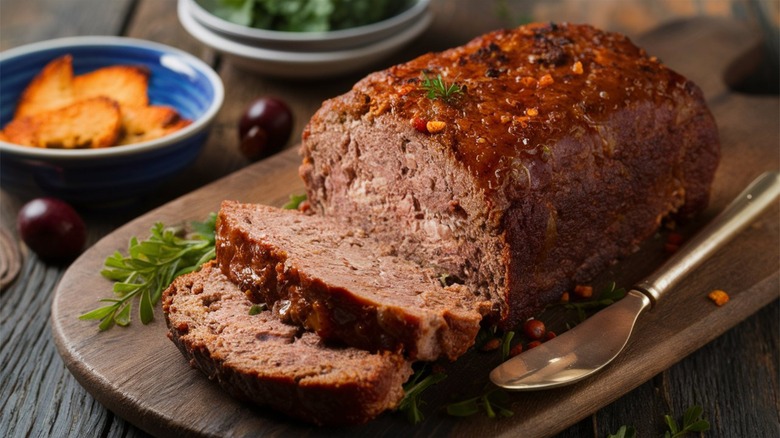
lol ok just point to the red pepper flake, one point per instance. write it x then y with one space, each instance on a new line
304 206
533 344
527 81
420 124
522 120
565 297
517 349
491 345
546 80
435 126
718 297
673 242
675 238
583 291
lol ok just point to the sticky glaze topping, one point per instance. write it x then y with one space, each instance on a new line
523 91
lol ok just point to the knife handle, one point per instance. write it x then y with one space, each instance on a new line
733 219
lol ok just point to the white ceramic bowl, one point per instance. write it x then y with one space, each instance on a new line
302 64
305 41
119 173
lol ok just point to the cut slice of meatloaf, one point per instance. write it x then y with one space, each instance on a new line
257 358
339 283
523 162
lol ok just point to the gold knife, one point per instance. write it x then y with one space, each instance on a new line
587 348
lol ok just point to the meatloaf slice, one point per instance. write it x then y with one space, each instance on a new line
523 162
257 358
328 278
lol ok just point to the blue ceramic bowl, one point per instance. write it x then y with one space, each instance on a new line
119 173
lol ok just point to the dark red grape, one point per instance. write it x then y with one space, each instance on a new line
254 143
268 121
52 229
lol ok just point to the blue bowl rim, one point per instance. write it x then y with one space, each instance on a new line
117 151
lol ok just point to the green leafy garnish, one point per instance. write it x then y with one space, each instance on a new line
492 402
421 380
257 308
437 88
692 422
506 344
150 266
624 432
305 15
294 202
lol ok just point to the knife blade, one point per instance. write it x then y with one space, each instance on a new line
589 347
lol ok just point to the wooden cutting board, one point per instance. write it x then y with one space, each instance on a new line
139 374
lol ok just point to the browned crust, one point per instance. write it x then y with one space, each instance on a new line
564 174
257 358
413 314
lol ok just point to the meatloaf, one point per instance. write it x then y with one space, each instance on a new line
256 357
522 162
334 280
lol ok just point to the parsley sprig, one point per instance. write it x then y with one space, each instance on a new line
421 380
294 202
150 266
438 88
624 432
493 402
692 422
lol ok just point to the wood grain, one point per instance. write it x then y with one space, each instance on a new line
145 380
735 377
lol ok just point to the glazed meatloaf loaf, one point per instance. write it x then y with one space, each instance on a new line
522 162
256 357
332 279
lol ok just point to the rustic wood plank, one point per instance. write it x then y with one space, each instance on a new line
29 21
747 409
733 410
53 398
680 324
39 397
23 22
156 21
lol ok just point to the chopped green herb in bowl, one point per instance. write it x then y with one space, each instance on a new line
305 15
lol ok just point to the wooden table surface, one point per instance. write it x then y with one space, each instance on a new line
734 378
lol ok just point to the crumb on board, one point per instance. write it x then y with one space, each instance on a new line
583 291
718 297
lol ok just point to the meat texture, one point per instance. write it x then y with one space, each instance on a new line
336 281
557 150
257 358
